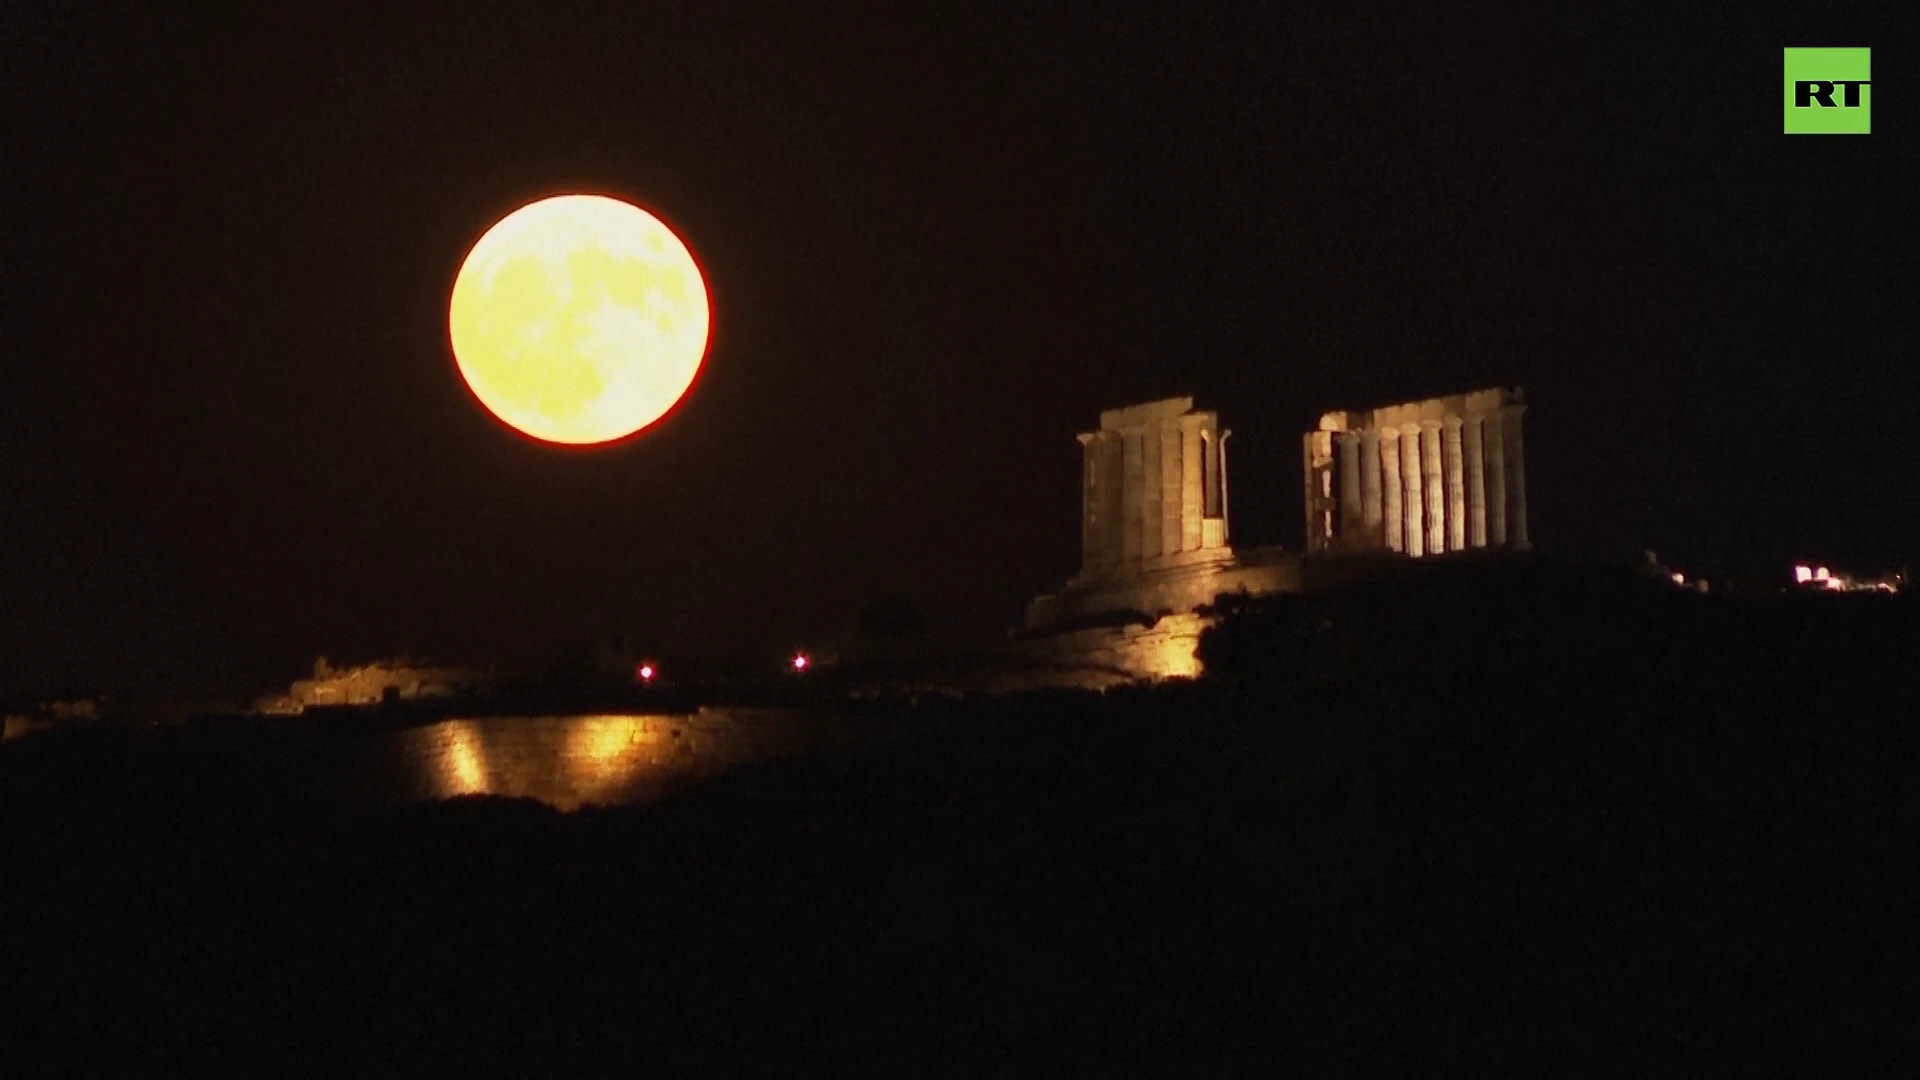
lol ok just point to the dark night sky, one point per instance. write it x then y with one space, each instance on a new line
937 245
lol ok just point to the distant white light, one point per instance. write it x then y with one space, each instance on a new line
800 661
1820 573
1802 574
646 672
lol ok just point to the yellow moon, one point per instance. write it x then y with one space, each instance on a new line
579 319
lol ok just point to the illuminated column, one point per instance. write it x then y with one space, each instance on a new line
1347 461
1410 482
1090 548
1112 480
1171 505
1192 486
1393 524
1432 470
1516 480
1132 489
1212 534
1496 444
1476 485
1210 465
1226 534
1370 488
1317 532
1456 486
1151 493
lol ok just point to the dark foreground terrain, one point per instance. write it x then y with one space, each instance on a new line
1484 820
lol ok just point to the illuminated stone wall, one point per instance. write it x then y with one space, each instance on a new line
1256 573
319 768
570 761
368 684
1099 657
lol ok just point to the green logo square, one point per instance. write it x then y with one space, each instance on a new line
1828 92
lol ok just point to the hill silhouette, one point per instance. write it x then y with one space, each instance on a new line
1485 818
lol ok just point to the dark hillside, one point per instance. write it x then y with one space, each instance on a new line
1485 818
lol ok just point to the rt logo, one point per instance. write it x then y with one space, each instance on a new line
1829 92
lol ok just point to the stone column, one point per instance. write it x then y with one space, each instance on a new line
1151 493
1412 503
1315 536
1226 534
1210 457
1516 480
1347 464
1212 525
1133 487
1476 484
1112 501
1170 477
1192 487
1456 484
1370 508
1432 469
1496 444
1090 552
1393 525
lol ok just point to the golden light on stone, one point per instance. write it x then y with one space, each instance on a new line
605 752
467 773
579 319
604 738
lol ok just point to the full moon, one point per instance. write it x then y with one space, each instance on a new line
579 319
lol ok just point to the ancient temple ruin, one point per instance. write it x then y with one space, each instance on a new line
1153 489
1153 518
1421 478
1416 479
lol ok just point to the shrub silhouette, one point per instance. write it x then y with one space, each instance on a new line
890 617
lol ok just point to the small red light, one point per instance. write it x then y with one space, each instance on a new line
800 662
646 672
